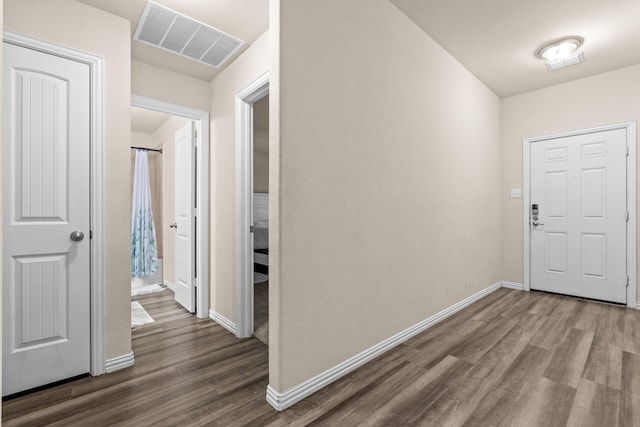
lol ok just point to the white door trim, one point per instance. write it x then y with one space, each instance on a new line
245 98
95 64
202 183
630 128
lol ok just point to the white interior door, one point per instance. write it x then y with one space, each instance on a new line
185 220
579 185
45 171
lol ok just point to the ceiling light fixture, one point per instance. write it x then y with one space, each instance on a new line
560 53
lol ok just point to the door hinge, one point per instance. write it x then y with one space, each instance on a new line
627 216
90 234
251 229
627 151
627 285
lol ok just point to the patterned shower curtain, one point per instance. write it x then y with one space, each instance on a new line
144 249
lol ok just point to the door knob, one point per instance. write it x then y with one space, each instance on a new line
174 225
76 236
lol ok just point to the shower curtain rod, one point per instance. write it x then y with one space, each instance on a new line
159 150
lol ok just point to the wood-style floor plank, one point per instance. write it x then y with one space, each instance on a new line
630 391
408 406
569 357
513 358
548 404
595 405
463 397
604 362
504 399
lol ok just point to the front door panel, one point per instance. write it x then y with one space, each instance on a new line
579 185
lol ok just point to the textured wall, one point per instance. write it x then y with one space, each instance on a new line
388 187
249 66
164 85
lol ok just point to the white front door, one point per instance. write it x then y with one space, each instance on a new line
185 220
579 186
45 226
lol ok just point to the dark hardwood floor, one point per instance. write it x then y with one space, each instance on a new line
513 358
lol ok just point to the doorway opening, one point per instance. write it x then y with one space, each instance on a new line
248 138
154 189
176 122
260 173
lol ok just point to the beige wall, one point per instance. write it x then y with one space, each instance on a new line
389 182
261 145
139 139
249 66
85 28
608 98
165 137
261 168
1 29
275 307
164 85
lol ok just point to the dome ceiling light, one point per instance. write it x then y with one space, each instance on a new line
560 53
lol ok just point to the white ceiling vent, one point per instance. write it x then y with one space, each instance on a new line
172 31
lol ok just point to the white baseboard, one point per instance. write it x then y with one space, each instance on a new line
170 285
120 362
222 321
281 401
513 285
637 305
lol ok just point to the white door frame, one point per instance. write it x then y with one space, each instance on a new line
202 196
630 128
254 91
95 64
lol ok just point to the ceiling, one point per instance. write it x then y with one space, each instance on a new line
147 121
244 19
497 39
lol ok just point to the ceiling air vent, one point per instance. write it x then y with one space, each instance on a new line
172 31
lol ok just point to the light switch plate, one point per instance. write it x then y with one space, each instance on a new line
516 193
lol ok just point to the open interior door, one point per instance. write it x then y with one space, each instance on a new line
185 281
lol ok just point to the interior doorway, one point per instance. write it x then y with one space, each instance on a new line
260 173
156 193
179 118
246 100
